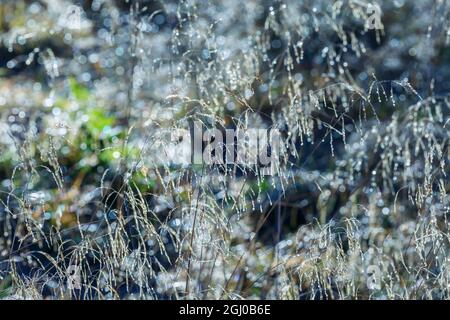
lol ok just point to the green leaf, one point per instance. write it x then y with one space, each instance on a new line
98 121
80 92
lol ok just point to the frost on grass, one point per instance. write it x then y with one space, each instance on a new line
358 204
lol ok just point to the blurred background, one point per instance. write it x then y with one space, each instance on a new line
358 206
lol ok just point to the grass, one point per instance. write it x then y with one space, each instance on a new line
359 204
